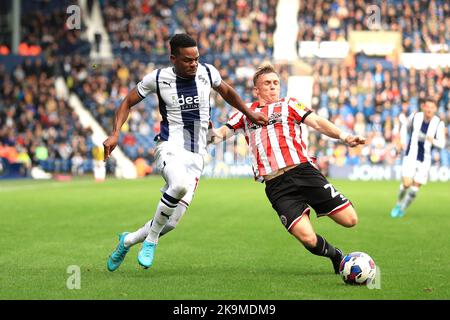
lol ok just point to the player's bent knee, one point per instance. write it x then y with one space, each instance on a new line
407 182
352 221
178 190
347 217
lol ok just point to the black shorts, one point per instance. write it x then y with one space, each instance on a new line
293 192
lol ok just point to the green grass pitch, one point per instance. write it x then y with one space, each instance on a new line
229 245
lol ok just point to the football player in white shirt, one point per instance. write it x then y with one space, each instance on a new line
425 131
280 158
183 92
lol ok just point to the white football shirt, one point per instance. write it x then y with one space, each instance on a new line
419 148
184 104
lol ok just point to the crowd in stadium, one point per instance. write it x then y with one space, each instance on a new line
235 36
424 24
37 126
374 104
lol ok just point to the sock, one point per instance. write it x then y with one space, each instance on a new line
401 193
409 197
139 235
323 248
173 220
165 209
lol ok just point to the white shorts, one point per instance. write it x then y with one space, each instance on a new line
415 170
190 163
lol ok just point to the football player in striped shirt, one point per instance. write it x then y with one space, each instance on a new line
280 158
183 92
425 131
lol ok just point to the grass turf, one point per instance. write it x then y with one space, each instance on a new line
229 245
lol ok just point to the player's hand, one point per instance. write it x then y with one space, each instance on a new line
430 139
108 146
213 136
353 141
258 118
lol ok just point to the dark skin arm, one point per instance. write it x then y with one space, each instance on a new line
232 98
226 91
120 117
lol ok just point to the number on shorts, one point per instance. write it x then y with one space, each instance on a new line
334 192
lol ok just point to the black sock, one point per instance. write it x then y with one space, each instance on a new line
323 248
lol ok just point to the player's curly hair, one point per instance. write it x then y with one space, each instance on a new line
264 69
181 40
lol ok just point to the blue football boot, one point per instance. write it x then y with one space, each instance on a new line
396 211
145 256
116 258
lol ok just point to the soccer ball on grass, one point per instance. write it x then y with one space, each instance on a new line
358 268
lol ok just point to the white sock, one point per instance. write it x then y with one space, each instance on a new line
401 193
139 235
166 208
174 219
409 197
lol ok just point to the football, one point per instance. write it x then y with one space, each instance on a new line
358 268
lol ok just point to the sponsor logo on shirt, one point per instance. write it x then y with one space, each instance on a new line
299 106
274 118
203 79
188 102
296 104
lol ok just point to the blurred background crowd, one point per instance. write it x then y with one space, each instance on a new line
371 97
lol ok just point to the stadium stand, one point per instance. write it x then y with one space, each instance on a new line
423 24
35 121
37 127
366 94
369 95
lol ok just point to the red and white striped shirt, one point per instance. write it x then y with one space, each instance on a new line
279 144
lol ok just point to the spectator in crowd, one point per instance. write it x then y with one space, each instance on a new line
99 165
34 120
327 21
143 166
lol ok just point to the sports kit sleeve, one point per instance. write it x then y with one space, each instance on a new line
147 85
300 111
216 79
236 122
439 140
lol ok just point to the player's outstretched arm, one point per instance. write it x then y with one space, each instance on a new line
216 135
231 97
120 117
329 129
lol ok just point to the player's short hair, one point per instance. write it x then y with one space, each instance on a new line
431 99
181 40
264 69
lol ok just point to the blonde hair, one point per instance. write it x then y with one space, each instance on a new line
264 69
